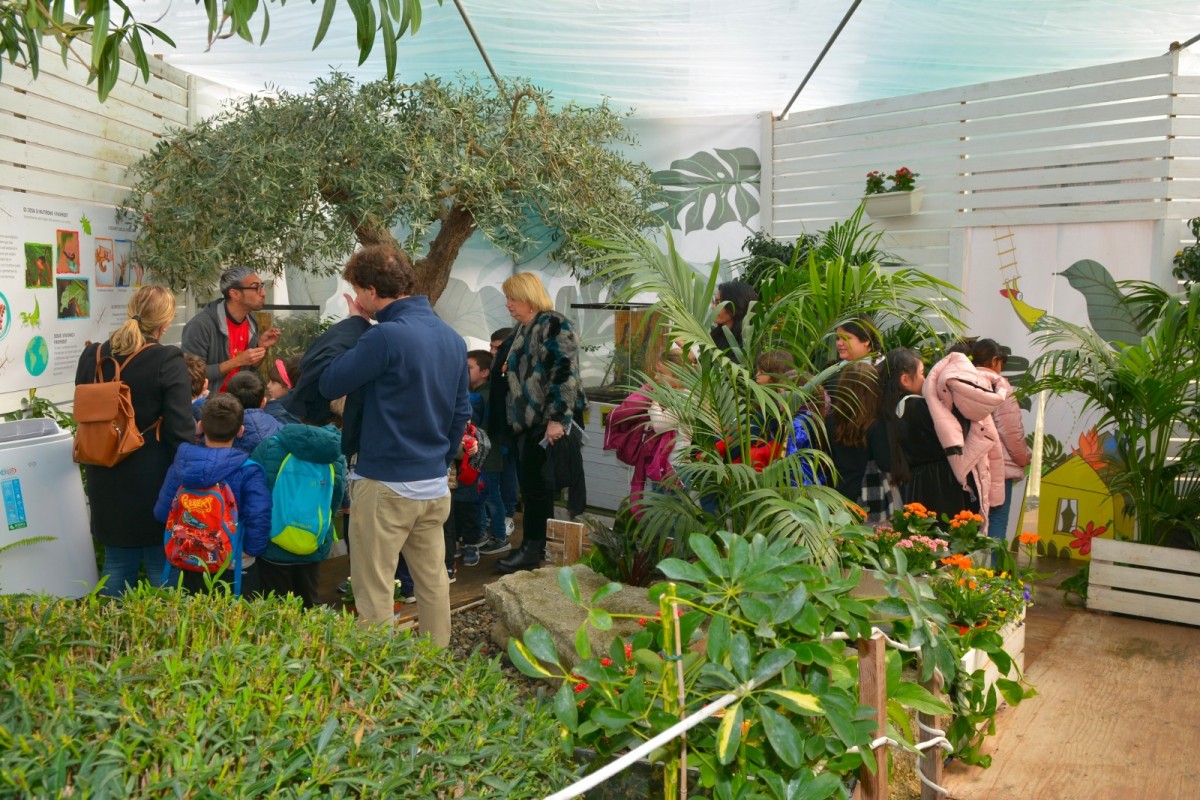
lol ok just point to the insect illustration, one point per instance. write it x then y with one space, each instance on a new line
86 224
32 318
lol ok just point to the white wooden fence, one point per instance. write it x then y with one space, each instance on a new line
1110 143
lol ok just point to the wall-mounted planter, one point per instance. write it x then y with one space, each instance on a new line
894 204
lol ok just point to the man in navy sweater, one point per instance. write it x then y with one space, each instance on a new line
412 368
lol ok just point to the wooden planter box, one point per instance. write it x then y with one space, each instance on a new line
1144 580
1014 644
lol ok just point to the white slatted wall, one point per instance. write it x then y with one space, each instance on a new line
58 140
1116 142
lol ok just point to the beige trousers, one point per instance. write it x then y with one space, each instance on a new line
382 526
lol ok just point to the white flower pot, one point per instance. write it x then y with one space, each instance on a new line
894 204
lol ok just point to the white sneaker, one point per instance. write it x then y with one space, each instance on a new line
509 526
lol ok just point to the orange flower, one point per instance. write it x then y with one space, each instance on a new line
960 561
916 508
1029 538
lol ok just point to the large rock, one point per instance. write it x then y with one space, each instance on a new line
532 598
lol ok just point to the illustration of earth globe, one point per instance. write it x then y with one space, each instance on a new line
37 356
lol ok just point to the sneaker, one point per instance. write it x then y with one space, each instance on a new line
493 546
509 526
407 595
452 574
470 555
343 587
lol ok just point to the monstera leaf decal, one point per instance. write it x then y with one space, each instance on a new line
1107 314
722 184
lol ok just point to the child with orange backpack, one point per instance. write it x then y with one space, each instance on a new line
215 504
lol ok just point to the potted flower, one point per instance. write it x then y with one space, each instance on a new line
979 599
900 199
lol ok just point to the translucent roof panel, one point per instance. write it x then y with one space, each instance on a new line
701 57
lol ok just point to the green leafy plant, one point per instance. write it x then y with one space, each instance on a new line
1145 393
1187 260
624 551
165 693
299 180
24 24
35 406
903 180
748 617
977 597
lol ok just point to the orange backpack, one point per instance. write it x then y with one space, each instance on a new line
106 432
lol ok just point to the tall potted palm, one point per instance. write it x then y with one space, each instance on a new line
716 398
1146 393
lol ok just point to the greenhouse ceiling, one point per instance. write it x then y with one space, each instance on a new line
667 58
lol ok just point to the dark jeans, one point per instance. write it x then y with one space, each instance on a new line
284 579
508 480
463 523
491 505
537 494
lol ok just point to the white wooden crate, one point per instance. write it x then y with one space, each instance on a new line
1145 581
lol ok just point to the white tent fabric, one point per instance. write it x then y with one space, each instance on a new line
667 58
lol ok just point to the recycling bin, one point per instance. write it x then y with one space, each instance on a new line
43 496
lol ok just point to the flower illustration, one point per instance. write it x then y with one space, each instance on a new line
1084 536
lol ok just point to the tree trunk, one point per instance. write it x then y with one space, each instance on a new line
433 271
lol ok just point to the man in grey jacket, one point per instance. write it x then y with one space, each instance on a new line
225 333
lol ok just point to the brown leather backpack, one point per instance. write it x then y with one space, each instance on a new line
107 432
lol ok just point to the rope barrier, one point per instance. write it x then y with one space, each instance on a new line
686 724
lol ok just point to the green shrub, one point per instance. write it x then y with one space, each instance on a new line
166 695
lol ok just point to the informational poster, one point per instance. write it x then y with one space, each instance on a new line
1015 276
67 271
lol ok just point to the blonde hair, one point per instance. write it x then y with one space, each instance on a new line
527 287
151 308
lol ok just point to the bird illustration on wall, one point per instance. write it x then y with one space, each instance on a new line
1006 251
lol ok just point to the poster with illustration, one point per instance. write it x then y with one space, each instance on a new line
73 298
1016 275
58 285
104 261
38 273
122 253
68 253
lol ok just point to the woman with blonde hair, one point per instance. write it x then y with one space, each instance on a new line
545 395
122 497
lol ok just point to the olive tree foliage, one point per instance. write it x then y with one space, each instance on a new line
110 24
298 180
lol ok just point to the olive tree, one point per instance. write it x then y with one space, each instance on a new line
298 179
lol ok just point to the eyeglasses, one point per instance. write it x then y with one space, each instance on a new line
254 287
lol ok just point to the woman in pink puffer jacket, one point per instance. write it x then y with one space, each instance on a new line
961 401
989 356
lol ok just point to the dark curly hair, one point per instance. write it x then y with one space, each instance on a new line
383 267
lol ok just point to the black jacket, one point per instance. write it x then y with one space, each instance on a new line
305 400
122 497
563 469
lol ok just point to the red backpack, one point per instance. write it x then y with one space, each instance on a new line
202 532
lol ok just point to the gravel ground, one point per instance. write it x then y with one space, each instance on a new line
471 629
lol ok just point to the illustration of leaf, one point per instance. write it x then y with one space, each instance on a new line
86 224
74 290
1107 315
727 178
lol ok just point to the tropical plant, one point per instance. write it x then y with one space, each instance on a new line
748 617
716 398
166 693
625 551
1187 261
299 179
24 24
35 406
1146 393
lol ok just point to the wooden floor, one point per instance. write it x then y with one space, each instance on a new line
1117 714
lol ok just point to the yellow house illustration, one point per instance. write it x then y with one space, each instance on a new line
1073 496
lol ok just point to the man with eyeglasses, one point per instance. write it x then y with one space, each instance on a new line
225 332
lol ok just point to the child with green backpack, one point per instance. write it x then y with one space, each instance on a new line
306 473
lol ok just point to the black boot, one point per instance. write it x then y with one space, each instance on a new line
530 556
